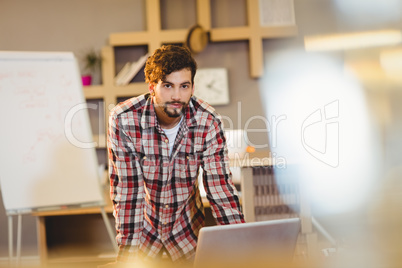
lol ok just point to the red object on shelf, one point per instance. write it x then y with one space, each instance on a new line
86 80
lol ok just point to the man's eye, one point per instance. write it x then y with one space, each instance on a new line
168 85
185 86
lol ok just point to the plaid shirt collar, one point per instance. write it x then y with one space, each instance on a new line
149 119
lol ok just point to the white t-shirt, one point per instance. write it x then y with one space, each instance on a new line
171 134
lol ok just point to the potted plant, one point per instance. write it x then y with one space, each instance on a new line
92 62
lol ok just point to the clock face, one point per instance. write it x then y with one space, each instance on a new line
211 85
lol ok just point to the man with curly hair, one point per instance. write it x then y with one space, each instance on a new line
157 143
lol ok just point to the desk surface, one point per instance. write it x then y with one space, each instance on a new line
256 159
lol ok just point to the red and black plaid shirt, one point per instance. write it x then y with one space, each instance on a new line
156 197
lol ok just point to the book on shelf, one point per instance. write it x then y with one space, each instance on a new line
118 78
129 71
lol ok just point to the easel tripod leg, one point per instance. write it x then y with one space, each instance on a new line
19 235
109 230
10 239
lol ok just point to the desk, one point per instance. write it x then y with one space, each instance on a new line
43 215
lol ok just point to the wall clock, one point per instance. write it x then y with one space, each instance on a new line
211 85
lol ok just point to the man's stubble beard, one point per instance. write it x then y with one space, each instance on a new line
175 113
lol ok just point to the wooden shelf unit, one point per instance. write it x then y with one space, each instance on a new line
155 36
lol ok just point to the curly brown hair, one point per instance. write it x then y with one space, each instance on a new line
168 59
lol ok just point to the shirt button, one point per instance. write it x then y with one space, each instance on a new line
165 223
144 157
188 157
166 206
167 141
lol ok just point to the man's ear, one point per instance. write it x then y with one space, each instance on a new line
151 88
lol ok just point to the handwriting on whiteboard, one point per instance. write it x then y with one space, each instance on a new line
46 100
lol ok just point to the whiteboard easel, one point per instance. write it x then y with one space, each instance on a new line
48 159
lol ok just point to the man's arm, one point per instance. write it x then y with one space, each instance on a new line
126 189
221 192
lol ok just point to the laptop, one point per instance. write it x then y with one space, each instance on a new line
255 244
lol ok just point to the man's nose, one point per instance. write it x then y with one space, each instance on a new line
176 94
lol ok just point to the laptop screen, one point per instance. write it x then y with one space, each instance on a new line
253 244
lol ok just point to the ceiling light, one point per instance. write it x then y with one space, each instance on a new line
352 40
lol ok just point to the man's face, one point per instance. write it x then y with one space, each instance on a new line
173 94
